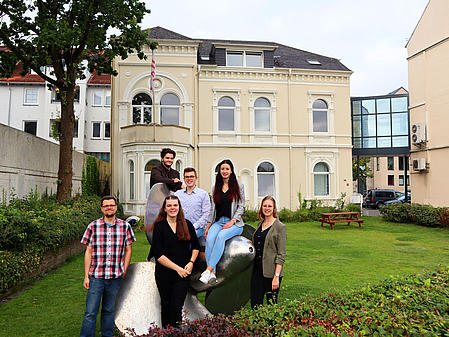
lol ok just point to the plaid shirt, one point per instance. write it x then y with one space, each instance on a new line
108 247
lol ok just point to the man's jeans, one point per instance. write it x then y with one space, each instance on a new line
216 239
99 288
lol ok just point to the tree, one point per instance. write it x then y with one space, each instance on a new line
364 169
69 36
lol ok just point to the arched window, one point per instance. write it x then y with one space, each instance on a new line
226 108
142 105
262 109
321 179
179 167
131 179
265 179
319 108
147 174
170 109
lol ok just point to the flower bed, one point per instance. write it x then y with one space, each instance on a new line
415 305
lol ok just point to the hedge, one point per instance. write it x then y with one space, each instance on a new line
414 305
424 215
31 227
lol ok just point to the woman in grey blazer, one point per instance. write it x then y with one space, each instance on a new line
269 240
226 216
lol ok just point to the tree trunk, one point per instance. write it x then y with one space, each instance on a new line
65 171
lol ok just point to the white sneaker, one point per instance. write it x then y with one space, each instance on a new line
205 276
212 278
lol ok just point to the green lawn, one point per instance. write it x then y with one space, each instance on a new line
318 260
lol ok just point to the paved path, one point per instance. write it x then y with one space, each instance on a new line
370 212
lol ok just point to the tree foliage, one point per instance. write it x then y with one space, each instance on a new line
70 36
90 181
364 170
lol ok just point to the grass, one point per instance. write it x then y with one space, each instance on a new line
318 260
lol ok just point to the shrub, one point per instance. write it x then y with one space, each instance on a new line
90 180
424 215
250 215
286 215
30 227
443 216
352 208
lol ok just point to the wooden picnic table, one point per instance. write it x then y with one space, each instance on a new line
333 218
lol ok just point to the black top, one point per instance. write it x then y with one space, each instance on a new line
259 242
160 174
223 208
165 242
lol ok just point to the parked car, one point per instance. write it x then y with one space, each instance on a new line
378 197
400 200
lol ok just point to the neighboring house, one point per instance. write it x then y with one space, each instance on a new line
381 132
281 114
428 67
28 104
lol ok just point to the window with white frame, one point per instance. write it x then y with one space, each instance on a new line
97 98
320 110
262 112
170 109
321 179
30 97
244 59
107 100
265 179
226 109
56 95
147 174
107 130
55 129
179 166
131 179
141 105
96 129
30 127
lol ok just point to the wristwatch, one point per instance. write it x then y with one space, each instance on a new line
277 274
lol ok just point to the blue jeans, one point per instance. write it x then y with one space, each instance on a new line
99 288
216 239
200 232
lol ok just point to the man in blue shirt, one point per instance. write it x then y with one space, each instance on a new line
195 202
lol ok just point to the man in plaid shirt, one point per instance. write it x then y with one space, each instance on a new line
107 258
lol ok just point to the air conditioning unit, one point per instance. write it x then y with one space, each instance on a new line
419 164
418 134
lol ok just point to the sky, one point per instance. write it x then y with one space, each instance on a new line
368 37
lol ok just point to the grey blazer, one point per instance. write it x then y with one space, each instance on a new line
237 208
274 250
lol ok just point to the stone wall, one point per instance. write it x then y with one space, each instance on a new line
29 163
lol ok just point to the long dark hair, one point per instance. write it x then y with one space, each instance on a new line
182 231
234 189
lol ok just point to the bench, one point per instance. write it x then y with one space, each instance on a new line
333 218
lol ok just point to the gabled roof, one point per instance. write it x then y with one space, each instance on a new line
284 56
17 78
400 90
96 79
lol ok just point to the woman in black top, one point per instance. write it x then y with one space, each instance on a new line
175 248
270 243
226 217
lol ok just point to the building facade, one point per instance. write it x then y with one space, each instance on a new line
31 106
428 73
282 115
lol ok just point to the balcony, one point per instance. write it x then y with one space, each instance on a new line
154 133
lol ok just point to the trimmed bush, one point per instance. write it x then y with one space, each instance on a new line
424 215
31 227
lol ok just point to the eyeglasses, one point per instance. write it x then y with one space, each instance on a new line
189 177
109 206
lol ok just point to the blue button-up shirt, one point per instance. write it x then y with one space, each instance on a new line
196 206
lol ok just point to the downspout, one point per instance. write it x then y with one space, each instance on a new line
290 137
196 117
9 105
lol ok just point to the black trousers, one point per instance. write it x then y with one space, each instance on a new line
261 286
173 294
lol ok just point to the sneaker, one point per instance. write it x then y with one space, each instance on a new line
205 276
212 278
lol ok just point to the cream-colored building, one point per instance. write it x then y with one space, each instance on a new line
428 69
282 115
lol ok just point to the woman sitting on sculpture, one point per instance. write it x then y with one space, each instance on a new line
226 216
175 248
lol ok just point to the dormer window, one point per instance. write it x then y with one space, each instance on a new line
314 62
244 59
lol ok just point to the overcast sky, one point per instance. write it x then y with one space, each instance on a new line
368 37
